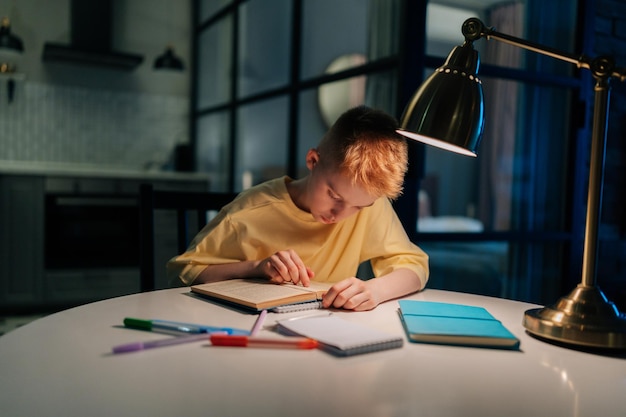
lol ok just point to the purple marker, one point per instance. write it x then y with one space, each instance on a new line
134 347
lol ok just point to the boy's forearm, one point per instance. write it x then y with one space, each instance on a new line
396 284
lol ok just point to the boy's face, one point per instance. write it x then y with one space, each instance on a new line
331 196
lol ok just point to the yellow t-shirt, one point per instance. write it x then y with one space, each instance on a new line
264 220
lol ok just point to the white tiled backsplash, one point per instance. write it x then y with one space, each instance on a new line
47 123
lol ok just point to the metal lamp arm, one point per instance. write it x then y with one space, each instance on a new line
602 67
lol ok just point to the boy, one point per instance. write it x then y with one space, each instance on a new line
322 226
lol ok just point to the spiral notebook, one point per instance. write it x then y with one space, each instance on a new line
339 336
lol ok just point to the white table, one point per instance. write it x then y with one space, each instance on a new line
61 365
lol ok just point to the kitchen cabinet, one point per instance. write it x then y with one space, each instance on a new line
32 282
21 240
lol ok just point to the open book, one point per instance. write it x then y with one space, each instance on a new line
259 294
454 324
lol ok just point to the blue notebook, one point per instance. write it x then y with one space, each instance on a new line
454 324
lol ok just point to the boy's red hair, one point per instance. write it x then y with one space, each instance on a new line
364 145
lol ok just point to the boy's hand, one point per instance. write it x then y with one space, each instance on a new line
286 266
351 294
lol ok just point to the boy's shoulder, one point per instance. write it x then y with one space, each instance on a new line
268 192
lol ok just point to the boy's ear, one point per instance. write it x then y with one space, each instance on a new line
312 158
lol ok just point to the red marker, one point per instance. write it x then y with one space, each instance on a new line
258 342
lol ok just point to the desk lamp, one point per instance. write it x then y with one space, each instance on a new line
447 112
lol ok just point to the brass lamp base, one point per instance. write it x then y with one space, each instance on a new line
584 318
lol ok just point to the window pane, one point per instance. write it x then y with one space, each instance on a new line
450 185
539 195
517 182
377 90
319 108
213 150
311 127
209 7
537 272
443 28
215 46
474 267
380 91
371 32
338 96
531 20
527 272
265 40
261 142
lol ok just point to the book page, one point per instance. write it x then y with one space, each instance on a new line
258 290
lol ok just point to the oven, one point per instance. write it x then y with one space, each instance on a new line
91 231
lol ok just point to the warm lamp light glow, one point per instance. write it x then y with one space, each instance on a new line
436 143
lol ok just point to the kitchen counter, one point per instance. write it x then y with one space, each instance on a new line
59 169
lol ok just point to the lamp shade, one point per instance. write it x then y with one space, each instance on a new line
447 110
7 39
168 61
